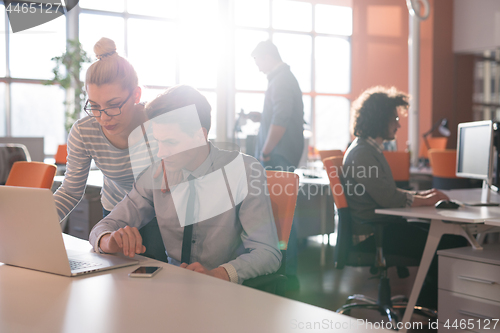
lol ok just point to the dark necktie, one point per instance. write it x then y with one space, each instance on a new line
188 229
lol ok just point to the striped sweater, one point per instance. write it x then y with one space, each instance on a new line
87 141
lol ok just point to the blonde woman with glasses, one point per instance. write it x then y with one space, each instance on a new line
113 111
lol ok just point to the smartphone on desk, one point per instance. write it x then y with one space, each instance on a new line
145 271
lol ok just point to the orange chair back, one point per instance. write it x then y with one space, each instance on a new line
283 189
443 162
32 174
61 154
434 143
330 153
399 161
333 166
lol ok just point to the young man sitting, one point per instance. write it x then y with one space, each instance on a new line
212 206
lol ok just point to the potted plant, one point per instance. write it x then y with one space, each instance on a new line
67 75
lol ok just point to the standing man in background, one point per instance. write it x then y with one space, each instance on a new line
280 141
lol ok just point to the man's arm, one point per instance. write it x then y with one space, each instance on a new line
282 100
429 199
219 272
118 232
127 240
366 171
426 197
273 137
259 234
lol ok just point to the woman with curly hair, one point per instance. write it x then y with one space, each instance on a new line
375 120
369 183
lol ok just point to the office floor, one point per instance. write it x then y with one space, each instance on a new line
328 288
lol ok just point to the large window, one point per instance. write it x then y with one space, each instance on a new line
204 43
168 42
28 107
314 39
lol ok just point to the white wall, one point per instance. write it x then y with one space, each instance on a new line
476 25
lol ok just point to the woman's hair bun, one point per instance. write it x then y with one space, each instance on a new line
105 47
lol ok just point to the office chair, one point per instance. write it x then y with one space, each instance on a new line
9 154
283 189
330 153
31 174
443 163
61 159
399 161
434 143
61 154
346 254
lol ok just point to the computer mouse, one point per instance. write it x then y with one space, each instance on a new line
446 204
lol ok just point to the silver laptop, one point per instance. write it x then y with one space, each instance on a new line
31 237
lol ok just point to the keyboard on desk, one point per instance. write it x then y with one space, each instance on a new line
78 264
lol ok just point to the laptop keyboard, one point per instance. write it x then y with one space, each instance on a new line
77 264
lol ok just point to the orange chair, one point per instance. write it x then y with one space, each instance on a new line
443 163
399 161
283 188
31 174
346 254
330 153
61 154
434 143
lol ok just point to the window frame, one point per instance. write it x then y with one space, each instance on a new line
313 34
225 90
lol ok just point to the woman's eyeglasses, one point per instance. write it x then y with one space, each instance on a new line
112 111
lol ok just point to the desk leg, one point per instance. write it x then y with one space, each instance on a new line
437 230
481 231
468 235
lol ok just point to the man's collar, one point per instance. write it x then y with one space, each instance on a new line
204 167
276 69
375 144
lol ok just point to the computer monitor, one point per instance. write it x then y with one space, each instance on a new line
475 153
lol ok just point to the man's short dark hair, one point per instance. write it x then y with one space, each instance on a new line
266 48
373 110
177 97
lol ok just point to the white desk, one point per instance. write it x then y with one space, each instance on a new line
493 222
175 300
464 221
321 186
95 179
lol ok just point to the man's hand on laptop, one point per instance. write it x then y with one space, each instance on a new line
127 240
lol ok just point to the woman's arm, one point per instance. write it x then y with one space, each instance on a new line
71 191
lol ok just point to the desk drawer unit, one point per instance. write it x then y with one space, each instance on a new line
470 277
469 289
463 312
